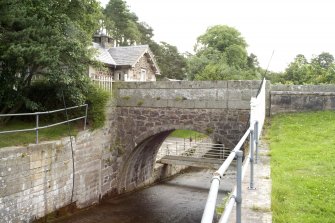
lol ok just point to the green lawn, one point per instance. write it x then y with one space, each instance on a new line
24 138
303 167
184 133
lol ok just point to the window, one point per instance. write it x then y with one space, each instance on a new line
143 75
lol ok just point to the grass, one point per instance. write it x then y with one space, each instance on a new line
186 134
24 138
303 167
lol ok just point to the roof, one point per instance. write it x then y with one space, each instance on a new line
124 55
103 55
128 55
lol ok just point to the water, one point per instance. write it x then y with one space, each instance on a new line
181 199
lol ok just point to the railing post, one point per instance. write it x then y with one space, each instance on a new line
251 186
256 140
85 119
238 197
37 124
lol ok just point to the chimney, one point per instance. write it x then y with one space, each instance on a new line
103 39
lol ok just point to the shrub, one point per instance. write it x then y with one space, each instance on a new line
46 96
97 99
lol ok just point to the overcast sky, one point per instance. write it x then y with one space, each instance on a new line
287 27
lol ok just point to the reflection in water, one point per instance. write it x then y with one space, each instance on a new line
181 199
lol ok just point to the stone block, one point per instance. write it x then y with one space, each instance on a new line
181 103
238 104
206 104
154 103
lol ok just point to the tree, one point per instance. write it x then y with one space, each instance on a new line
324 60
320 70
46 38
171 63
220 37
299 71
127 30
221 54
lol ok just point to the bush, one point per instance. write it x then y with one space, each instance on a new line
96 99
46 96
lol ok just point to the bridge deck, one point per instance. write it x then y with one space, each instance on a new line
191 161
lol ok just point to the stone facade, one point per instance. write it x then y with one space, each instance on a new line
141 65
299 98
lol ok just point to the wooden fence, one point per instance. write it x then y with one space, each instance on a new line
104 82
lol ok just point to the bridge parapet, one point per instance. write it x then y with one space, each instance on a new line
186 94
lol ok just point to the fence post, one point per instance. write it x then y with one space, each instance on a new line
37 124
238 197
256 140
85 119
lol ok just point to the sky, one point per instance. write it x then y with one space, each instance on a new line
283 28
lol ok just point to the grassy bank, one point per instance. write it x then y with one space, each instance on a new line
186 134
303 167
24 138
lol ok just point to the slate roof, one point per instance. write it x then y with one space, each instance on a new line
128 55
124 55
103 55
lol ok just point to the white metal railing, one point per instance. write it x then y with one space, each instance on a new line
104 82
200 149
257 116
37 118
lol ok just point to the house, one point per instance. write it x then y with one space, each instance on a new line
123 63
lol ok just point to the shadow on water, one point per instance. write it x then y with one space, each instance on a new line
181 199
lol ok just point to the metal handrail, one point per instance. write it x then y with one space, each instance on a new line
37 128
257 116
208 214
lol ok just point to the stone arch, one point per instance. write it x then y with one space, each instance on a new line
138 168
140 127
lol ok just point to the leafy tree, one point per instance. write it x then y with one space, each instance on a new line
299 71
320 70
324 60
117 18
221 54
171 63
46 38
127 30
220 37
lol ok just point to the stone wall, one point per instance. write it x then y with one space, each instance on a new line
299 98
36 180
187 94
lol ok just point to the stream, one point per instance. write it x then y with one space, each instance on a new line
180 199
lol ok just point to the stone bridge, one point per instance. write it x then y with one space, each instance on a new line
148 112
38 179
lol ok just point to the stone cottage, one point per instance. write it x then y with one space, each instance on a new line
123 63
